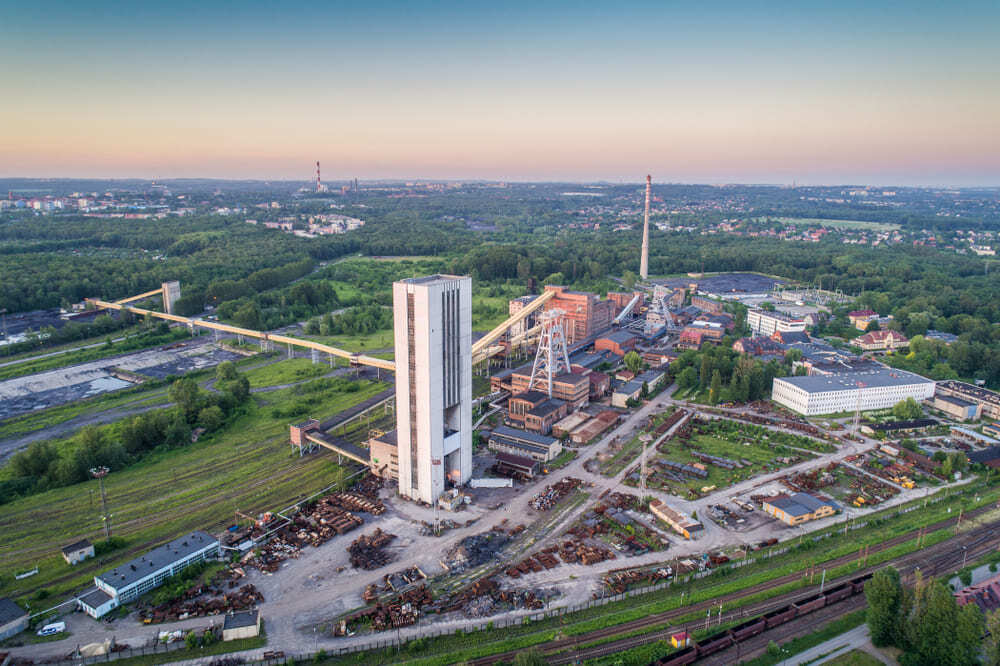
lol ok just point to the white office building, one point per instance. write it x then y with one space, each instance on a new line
827 394
767 323
129 581
433 338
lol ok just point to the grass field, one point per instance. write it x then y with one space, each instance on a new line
764 459
837 224
247 466
365 342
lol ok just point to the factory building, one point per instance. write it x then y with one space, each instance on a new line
617 342
585 314
129 581
988 401
707 304
433 340
767 323
828 394
572 388
524 444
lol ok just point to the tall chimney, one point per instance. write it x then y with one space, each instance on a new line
644 262
319 184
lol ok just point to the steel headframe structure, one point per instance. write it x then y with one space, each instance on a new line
552 357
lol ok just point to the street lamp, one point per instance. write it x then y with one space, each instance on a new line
99 473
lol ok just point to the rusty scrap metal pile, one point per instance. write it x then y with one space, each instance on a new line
478 549
402 611
551 495
217 596
368 550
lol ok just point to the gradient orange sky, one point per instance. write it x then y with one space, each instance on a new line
818 93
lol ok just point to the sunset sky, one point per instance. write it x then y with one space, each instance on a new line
835 92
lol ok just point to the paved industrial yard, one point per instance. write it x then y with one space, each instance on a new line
321 584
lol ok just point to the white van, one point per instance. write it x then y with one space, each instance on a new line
51 629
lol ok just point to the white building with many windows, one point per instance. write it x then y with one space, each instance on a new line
767 323
433 339
828 394
129 581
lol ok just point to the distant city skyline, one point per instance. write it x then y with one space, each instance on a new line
890 94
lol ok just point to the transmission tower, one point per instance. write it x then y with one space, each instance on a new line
551 359
99 473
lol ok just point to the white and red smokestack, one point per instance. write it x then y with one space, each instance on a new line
644 260
319 185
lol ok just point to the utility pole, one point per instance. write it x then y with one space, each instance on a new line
99 473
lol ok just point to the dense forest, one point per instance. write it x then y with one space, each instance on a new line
259 277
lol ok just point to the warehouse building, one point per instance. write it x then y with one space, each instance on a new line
957 408
522 443
798 508
988 401
13 619
570 387
682 524
766 323
129 581
585 313
828 394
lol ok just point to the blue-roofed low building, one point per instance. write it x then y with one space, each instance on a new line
799 508
504 439
971 436
129 581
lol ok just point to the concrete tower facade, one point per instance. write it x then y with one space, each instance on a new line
433 339
644 260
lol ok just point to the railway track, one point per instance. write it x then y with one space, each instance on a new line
944 556
659 619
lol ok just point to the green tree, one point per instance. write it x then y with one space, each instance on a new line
226 371
633 361
884 593
991 647
211 418
907 410
688 378
715 392
185 394
628 279
705 376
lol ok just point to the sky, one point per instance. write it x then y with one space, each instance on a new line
861 92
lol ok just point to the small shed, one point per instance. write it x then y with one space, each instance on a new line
78 552
13 619
244 624
680 639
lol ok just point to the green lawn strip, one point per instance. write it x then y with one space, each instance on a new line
247 466
459 647
174 656
854 658
94 340
561 460
802 643
133 343
287 371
